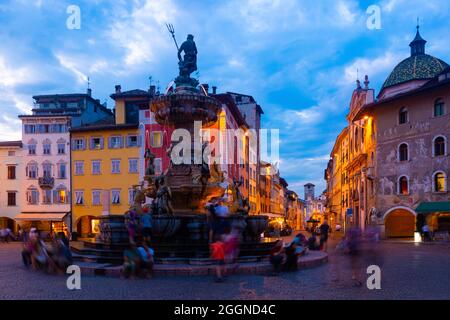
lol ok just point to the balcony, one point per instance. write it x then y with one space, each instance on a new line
46 182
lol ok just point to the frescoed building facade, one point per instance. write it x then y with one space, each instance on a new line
404 159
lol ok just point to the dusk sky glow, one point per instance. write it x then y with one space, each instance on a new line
298 59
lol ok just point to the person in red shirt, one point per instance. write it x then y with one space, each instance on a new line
218 255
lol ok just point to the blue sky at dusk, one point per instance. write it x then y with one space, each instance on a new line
298 59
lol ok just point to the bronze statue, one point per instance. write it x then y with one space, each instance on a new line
163 198
189 63
150 159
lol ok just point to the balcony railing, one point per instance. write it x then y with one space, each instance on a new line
46 182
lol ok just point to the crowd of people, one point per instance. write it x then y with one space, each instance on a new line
285 257
53 257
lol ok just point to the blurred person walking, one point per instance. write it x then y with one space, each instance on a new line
324 231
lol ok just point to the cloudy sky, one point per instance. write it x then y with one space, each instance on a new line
299 59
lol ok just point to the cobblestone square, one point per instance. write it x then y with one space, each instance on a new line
408 271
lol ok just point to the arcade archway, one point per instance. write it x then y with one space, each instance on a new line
400 222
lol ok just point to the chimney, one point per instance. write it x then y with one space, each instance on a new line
206 87
118 89
152 90
89 92
214 89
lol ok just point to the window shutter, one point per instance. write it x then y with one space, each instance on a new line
121 142
84 144
91 143
101 143
110 142
55 196
72 145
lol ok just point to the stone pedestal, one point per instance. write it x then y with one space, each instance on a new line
113 230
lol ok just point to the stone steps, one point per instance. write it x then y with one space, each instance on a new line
312 259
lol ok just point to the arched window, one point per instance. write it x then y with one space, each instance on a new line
32 170
439 108
60 195
47 169
439 182
32 195
439 146
403 152
46 146
403 116
403 187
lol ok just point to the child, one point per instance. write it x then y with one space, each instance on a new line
218 255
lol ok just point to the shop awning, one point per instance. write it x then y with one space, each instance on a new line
40 216
431 207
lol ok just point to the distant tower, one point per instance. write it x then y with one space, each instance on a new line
309 191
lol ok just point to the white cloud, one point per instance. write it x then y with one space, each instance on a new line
141 32
71 65
10 77
381 65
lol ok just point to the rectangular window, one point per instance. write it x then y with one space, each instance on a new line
46 149
96 167
32 149
11 172
132 141
11 199
43 128
11 153
96 143
158 166
131 195
439 108
61 148
156 139
115 196
79 167
115 166
62 171
96 198
30 128
47 197
115 142
79 197
133 165
78 144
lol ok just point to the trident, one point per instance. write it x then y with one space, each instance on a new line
172 32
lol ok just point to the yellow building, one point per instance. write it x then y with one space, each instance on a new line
105 166
350 173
